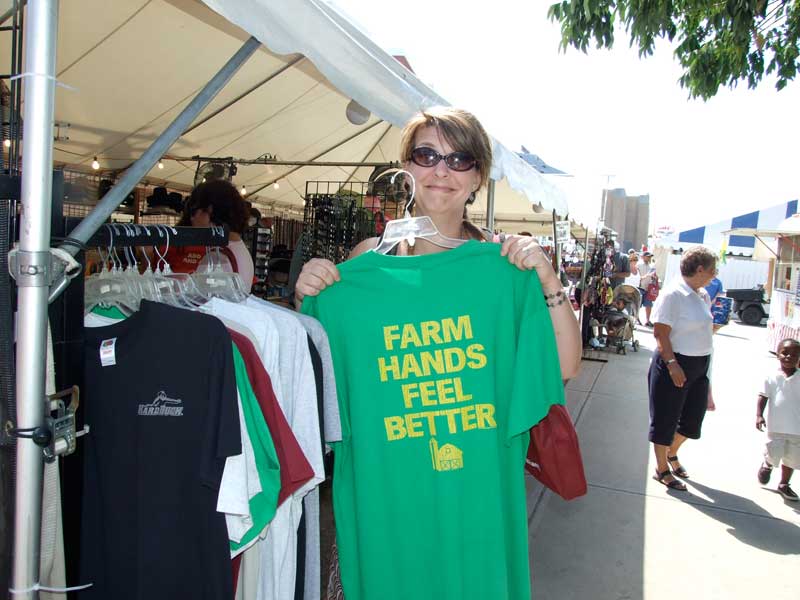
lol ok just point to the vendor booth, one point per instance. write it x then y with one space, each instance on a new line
297 108
782 289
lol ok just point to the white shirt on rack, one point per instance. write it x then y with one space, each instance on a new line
688 313
239 483
283 348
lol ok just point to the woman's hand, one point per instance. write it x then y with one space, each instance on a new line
526 254
677 374
761 422
317 274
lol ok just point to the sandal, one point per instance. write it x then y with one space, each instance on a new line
680 471
673 485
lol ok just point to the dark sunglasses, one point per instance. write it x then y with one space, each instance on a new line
457 161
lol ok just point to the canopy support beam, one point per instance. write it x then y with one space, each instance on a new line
311 160
287 163
371 150
767 247
244 94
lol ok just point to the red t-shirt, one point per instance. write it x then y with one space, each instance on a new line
184 259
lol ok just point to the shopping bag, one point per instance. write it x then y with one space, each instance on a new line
652 290
554 455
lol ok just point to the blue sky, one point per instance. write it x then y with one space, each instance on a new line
604 117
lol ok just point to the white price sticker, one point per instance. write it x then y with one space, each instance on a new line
108 352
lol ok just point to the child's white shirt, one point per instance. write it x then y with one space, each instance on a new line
783 403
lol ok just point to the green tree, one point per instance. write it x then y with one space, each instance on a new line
718 42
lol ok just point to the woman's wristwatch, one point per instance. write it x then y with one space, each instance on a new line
671 361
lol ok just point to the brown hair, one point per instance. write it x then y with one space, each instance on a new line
459 128
462 130
227 206
697 257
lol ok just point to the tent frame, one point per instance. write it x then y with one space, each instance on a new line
35 267
32 274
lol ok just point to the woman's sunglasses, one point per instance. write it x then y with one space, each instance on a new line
457 161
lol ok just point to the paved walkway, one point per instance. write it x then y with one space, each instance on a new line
630 538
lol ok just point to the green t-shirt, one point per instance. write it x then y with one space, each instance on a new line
443 363
264 504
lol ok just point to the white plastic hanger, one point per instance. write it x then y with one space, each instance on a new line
188 291
411 228
169 289
111 287
214 281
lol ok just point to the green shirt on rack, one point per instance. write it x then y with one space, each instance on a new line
443 363
264 504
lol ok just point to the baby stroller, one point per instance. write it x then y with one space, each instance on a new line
619 318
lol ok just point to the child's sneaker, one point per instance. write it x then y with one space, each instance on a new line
787 492
764 473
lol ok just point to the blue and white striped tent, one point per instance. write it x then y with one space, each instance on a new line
742 245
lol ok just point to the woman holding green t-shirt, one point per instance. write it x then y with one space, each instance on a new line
449 154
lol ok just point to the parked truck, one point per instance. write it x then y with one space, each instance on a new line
749 304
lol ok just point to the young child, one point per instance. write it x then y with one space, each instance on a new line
781 393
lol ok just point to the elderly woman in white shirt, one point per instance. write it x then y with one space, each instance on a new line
678 377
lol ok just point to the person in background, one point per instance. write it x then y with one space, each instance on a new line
714 289
781 395
635 277
562 274
647 270
678 376
617 265
216 202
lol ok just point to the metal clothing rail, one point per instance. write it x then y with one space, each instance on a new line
35 267
123 234
281 163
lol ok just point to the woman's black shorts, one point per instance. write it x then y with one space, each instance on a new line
677 409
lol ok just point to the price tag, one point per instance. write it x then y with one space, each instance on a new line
108 352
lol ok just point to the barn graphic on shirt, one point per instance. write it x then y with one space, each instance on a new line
446 458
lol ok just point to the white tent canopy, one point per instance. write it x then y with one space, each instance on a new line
788 227
137 63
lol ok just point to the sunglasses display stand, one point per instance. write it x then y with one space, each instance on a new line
338 215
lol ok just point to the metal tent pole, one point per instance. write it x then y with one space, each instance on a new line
556 246
490 205
32 275
153 154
